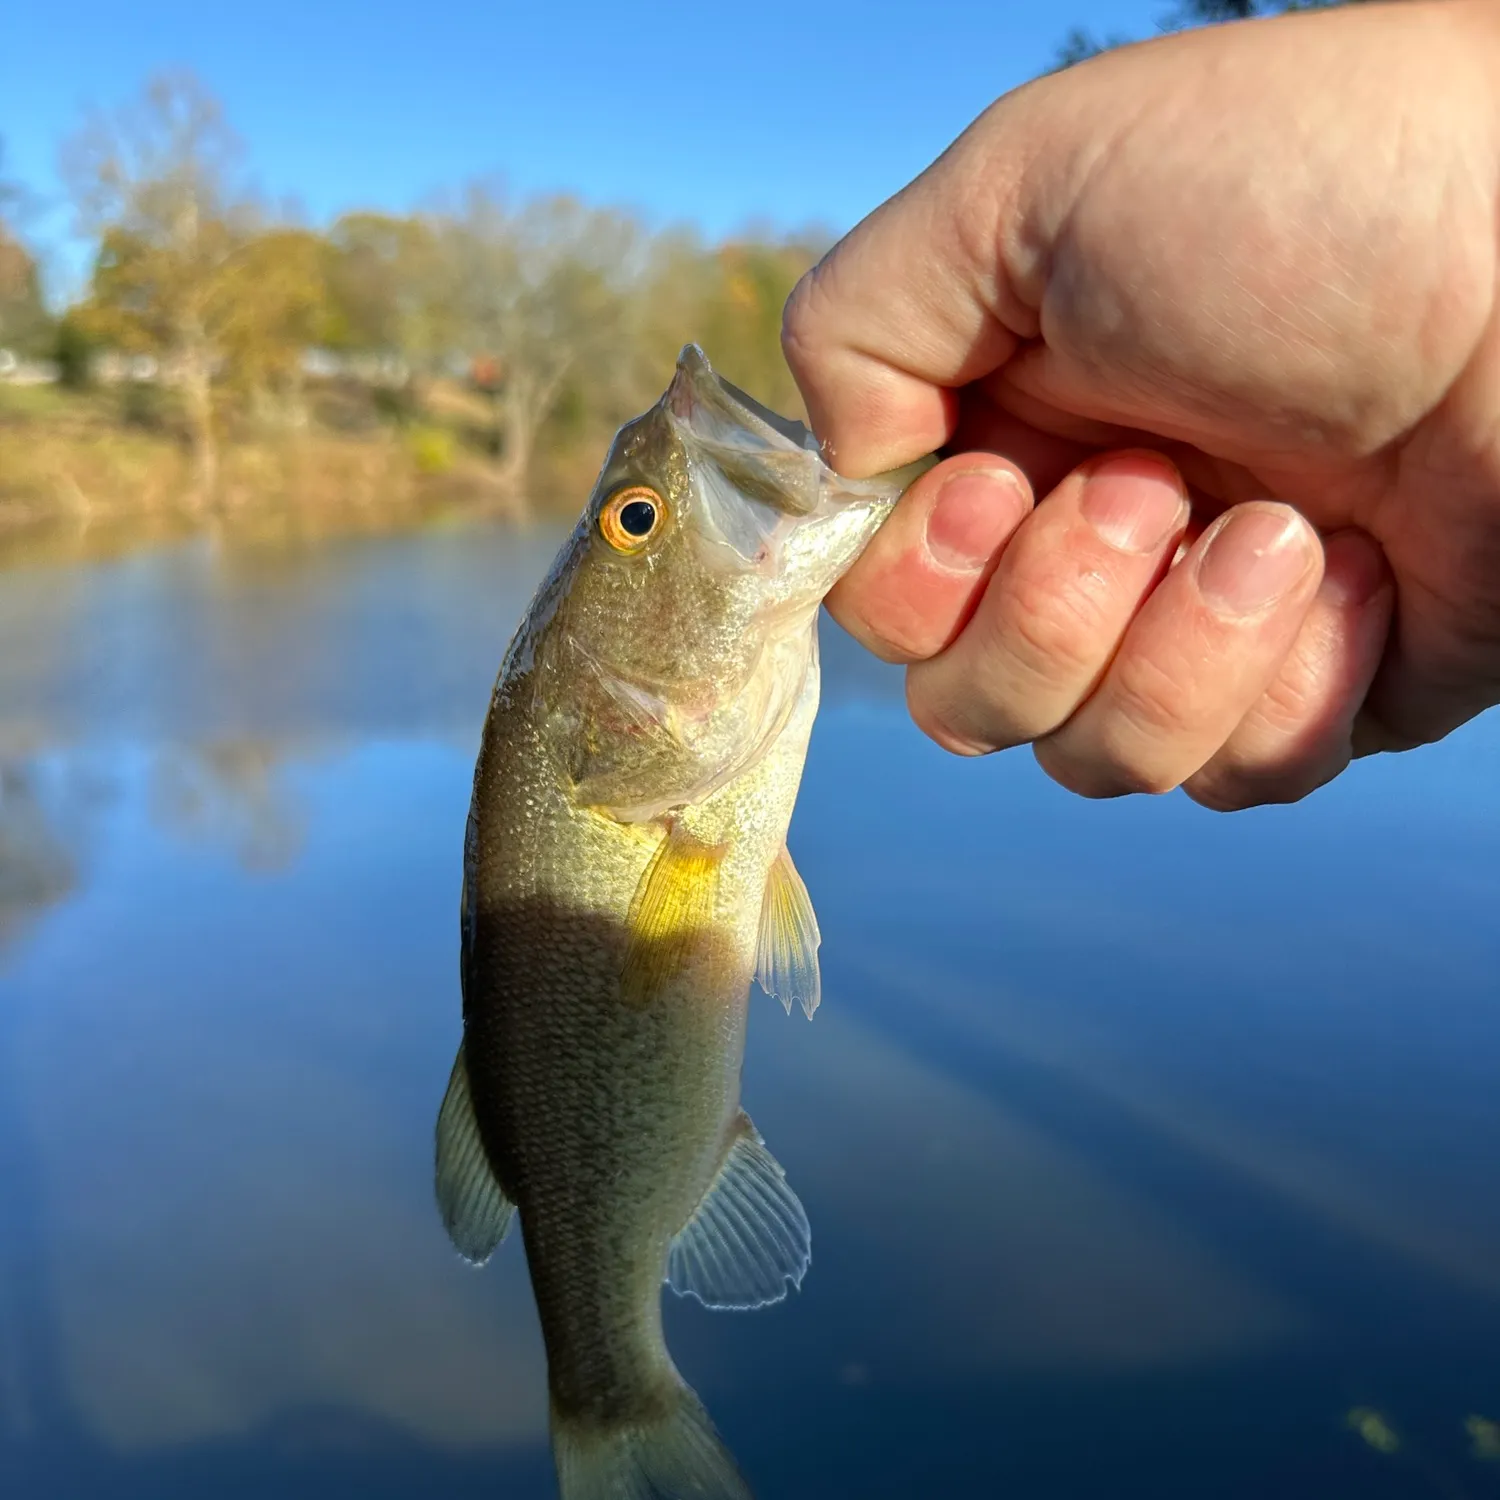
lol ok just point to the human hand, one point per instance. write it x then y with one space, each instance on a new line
1266 251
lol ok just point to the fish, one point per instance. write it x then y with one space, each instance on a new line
626 878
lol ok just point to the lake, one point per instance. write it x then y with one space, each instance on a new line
1148 1152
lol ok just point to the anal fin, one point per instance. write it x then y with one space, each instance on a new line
749 1238
476 1213
786 963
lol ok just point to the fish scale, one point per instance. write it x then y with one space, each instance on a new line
626 878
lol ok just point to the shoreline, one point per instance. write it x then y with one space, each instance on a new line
78 477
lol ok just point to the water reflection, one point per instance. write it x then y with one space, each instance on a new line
37 869
229 791
1131 1169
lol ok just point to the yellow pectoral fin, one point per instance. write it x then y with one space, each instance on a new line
672 909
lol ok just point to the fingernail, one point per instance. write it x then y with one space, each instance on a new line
1255 556
974 512
1134 501
1354 568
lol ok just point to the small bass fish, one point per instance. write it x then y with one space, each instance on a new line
625 877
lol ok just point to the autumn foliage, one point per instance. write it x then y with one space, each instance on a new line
504 338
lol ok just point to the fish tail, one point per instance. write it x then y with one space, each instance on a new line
676 1456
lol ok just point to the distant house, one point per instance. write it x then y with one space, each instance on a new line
14 370
112 367
388 370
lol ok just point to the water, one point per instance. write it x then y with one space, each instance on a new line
1141 1145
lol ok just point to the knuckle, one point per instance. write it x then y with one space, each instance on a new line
903 633
1050 626
1134 737
1136 779
802 318
1371 735
1103 772
968 215
1080 778
932 713
1228 784
1223 794
1017 670
959 722
883 622
1150 697
1293 699
1152 782
897 639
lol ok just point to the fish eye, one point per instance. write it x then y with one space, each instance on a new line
631 517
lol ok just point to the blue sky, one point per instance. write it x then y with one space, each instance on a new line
715 113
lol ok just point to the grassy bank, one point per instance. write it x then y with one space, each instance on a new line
344 455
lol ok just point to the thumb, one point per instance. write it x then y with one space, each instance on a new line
941 284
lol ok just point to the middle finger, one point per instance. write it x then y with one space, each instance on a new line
1057 607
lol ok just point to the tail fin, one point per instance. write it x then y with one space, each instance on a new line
676 1457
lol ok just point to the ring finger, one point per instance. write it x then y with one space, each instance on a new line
1197 658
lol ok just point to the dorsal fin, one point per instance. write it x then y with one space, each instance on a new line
748 1238
476 1212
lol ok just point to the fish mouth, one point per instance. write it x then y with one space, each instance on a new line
713 412
755 476
710 411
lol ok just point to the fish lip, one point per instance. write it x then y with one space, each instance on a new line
697 388
755 478
696 377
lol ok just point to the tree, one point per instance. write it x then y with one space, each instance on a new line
387 294
11 194
268 304
541 294
728 298
741 325
1079 44
23 315
159 182
24 323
